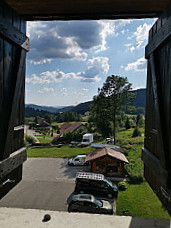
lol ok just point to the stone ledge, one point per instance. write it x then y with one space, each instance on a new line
32 218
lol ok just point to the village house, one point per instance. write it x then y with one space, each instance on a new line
43 125
75 127
107 161
87 113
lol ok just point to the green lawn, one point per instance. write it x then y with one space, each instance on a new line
59 124
42 140
140 201
46 135
63 152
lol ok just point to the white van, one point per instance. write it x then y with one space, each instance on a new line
78 160
87 139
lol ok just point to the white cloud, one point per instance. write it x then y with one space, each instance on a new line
37 80
95 67
69 40
139 65
139 87
46 90
140 36
64 91
85 90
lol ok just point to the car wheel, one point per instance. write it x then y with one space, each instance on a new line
110 195
74 210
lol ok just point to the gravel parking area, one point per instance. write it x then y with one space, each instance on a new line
47 184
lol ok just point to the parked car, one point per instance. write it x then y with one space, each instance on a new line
96 184
78 160
88 203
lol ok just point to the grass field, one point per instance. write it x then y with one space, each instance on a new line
42 140
63 152
59 124
140 201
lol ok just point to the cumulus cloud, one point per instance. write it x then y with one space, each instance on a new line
69 40
37 80
46 90
139 65
140 36
95 67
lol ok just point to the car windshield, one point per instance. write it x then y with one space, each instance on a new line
98 202
85 140
108 182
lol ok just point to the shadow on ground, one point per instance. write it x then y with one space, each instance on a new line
70 171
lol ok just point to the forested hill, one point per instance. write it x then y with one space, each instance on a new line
140 99
31 112
34 110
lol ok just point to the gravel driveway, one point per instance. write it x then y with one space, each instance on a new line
47 184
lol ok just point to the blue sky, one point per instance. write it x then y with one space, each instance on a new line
68 61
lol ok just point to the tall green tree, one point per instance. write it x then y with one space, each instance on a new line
100 115
127 124
115 95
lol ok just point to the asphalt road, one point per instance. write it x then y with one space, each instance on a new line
47 184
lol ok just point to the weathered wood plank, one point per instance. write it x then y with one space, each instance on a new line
9 32
10 181
157 109
154 164
163 70
1 93
15 103
159 38
12 162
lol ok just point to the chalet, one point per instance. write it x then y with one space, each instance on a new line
75 127
87 113
43 125
107 161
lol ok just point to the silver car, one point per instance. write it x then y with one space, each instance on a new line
78 160
88 203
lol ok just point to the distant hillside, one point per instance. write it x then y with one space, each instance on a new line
139 102
82 108
66 109
44 108
31 112
140 99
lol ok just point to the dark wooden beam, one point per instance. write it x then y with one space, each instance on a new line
159 38
87 9
10 33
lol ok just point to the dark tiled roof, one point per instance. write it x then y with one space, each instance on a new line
106 151
65 126
71 127
44 124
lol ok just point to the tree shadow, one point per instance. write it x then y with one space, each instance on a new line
149 223
70 171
